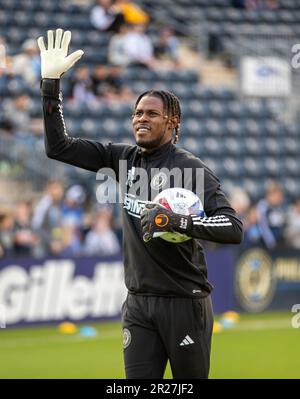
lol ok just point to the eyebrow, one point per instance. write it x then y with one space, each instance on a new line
147 110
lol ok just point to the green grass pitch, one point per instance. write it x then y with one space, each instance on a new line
259 346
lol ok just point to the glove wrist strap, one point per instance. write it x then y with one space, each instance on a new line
183 223
50 88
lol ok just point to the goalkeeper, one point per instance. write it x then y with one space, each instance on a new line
168 313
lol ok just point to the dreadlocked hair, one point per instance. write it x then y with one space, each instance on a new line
171 105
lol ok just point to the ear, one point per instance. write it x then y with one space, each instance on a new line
173 121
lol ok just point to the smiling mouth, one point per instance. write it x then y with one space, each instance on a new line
143 129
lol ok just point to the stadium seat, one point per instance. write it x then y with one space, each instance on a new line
291 146
232 127
213 146
213 127
291 167
254 146
234 147
273 146
233 167
273 167
254 166
254 187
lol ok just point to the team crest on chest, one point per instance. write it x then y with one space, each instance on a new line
158 181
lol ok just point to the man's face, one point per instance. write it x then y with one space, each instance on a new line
151 126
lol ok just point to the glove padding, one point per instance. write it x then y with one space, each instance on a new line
155 218
54 60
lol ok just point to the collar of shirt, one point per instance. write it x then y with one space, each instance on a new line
158 152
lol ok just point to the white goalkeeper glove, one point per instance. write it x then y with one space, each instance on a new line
54 60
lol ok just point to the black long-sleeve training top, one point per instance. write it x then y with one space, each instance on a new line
156 267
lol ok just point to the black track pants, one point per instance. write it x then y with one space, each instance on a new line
158 329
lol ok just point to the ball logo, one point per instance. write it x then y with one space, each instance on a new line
161 220
126 338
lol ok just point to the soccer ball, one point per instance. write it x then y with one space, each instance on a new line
182 201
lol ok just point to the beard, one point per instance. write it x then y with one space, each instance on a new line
150 143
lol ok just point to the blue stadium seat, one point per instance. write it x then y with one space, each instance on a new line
273 146
254 166
191 126
110 126
254 146
252 127
213 146
212 163
273 167
139 87
234 147
181 90
232 127
233 15
254 187
194 108
89 127
291 166
217 109
291 146
16 35
291 187
126 127
213 127
73 127
6 18
233 167
190 144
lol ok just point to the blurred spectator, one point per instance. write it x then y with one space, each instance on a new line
133 14
27 64
80 89
240 202
117 54
167 46
131 47
138 47
101 239
24 237
272 215
6 234
72 220
6 72
3 55
105 16
17 116
292 232
252 233
72 209
107 84
6 80
47 219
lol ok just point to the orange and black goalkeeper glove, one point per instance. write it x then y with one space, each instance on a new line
155 218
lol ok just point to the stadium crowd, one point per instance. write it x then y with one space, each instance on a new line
65 222
60 224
